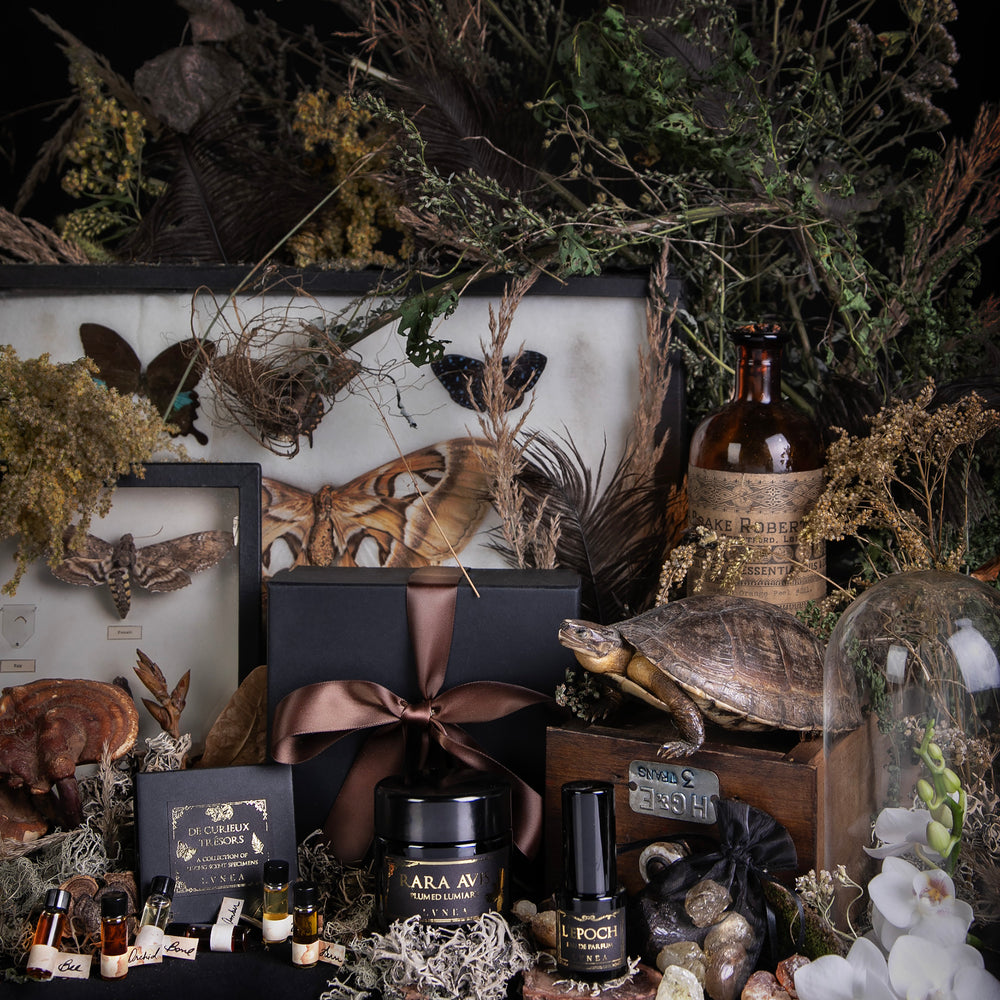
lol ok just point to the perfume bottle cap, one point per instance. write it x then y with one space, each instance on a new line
162 884
456 809
588 820
304 893
275 871
114 904
57 899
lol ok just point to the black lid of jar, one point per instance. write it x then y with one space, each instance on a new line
759 334
456 809
304 893
275 871
114 904
588 822
162 884
57 899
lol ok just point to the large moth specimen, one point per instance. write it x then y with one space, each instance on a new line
413 511
160 567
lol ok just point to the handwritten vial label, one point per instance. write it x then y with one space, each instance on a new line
333 954
43 958
230 911
590 943
305 954
69 966
148 947
180 947
114 966
276 929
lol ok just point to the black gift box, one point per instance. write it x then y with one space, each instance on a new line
351 623
211 829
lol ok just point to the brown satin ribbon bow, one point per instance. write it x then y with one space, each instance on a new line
313 717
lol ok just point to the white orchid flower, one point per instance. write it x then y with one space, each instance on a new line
862 975
901 831
920 969
906 900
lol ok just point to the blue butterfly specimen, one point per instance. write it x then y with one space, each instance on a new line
463 378
169 376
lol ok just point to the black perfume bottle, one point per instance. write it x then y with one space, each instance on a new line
590 907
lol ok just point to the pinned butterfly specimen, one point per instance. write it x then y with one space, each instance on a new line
463 378
160 567
380 517
170 372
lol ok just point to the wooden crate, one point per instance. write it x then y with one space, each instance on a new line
825 800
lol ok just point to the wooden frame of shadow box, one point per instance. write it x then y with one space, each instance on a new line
825 799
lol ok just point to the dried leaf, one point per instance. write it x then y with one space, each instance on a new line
187 82
214 20
239 734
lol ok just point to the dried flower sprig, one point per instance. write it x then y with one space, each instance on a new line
892 490
64 441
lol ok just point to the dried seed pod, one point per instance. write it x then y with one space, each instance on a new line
47 727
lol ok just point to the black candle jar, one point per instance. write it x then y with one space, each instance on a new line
442 848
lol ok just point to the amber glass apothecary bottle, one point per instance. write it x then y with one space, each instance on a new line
755 469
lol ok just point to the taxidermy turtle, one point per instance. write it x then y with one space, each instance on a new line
740 662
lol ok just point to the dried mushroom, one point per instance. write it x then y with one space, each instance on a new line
83 920
47 727
19 816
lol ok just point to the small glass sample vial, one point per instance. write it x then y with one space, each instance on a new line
442 847
48 933
219 937
305 924
114 934
277 921
155 917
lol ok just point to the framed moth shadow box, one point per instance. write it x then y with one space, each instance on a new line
173 570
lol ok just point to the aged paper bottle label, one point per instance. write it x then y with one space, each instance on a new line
766 511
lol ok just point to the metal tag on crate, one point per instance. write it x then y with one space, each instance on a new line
674 791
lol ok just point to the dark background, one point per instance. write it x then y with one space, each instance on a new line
33 77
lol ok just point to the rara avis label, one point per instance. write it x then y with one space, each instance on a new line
766 511
443 892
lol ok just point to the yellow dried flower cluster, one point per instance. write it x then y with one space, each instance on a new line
712 557
107 150
888 490
344 147
64 440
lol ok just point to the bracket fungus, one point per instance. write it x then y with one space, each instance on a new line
48 727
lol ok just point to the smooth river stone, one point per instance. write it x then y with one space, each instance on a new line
728 969
679 984
763 986
686 955
705 902
733 928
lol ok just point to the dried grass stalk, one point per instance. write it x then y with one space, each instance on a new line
531 537
26 241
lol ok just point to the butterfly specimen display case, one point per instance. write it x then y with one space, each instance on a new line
337 478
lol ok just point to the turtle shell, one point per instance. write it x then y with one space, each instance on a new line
742 659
